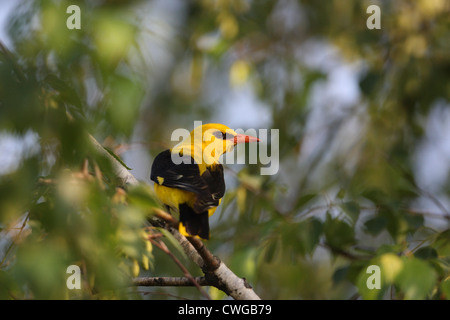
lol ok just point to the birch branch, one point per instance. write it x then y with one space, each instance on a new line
169 281
124 176
216 272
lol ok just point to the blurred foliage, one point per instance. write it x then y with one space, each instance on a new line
348 193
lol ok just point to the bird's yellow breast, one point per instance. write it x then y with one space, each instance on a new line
173 197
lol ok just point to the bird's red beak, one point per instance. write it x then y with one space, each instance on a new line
242 138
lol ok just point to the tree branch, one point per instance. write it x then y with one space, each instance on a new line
216 272
169 281
124 176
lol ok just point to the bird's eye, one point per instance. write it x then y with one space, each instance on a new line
218 134
223 135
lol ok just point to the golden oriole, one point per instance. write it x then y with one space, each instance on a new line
189 178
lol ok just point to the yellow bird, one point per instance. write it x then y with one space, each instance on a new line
189 178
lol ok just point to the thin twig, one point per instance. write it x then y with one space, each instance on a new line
165 216
436 201
14 240
437 215
346 254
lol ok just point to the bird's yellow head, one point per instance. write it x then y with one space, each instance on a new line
209 141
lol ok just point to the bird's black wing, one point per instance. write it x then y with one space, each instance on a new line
210 186
213 176
185 176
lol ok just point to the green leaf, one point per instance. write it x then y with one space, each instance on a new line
68 94
308 234
338 233
426 253
414 222
270 249
42 266
375 225
340 274
352 209
391 265
304 200
445 288
117 158
442 243
341 193
243 262
416 279
123 100
302 237
349 272
141 195
369 82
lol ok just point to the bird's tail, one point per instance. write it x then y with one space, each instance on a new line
192 223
